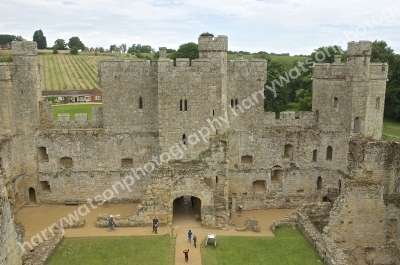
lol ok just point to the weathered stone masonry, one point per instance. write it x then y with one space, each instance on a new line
208 115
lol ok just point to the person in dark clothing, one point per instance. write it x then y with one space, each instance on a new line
193 201
186 252
194 240
190 236
155 224
111 223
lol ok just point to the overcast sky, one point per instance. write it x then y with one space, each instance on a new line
294 26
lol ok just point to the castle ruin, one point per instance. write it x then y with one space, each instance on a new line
198 128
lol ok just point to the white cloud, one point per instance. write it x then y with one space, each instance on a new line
275 26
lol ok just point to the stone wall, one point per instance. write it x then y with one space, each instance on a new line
11 235
304 218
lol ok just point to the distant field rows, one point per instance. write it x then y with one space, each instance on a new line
64 71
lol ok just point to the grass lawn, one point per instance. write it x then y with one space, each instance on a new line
391 130
288 247
140 250
74 108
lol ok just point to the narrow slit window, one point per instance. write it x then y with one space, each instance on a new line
186 105
184 139
336 103
140 103
181 105
314 155
236 103
232 103
329 152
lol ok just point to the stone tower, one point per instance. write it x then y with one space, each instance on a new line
349 96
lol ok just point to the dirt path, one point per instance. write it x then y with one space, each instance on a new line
37 219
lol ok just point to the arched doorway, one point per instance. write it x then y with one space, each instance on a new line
187 211
32 195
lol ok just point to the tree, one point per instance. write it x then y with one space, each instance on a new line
381 52
55 51
101 49
113 48
60 44
123 47
76 42
40 39
187 50
277 101
7 39
145 49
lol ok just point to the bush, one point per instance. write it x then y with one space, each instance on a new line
74 50
206 34
55 51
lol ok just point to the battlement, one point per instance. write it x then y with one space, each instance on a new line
24 48
209 44
255 64
359 49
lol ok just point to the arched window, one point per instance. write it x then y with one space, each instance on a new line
319 183
140 103
329 152
356 125
336 103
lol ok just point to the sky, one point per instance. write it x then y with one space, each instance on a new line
288 26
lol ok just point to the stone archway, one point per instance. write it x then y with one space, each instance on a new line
165 186
32 195
186 211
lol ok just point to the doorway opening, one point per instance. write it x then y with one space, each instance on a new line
187 211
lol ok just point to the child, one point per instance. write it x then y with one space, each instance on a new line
190 236
194 240
186 252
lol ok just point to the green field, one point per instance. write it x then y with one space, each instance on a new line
74 108
288 247
391 130
140 250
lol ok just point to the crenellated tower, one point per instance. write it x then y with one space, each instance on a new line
349 96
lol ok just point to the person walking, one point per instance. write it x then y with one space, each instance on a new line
186 252
155 224
194 240
190 236
111 223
